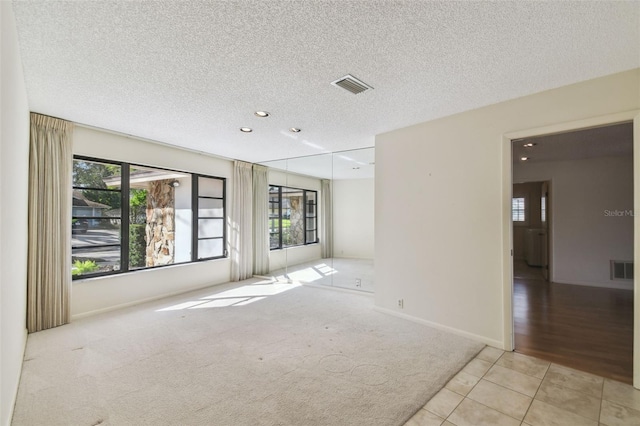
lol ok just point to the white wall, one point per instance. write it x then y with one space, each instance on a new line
14 166
353 218
93 295
586 232
444 256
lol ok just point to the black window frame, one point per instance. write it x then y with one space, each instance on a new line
125 218
278 205
195 208
306 216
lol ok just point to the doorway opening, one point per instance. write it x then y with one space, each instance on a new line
572 216
530 216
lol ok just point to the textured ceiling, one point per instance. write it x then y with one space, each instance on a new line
607 141
192 73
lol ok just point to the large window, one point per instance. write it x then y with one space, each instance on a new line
127 217
293 217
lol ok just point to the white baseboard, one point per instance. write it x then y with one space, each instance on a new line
342 289
343 257
264 277
620 285
487 341
140 301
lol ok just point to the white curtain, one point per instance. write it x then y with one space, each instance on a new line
260 220
49 258
326 231
240 241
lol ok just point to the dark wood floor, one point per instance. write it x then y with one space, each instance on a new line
586 328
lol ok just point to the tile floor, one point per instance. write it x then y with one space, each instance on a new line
506 388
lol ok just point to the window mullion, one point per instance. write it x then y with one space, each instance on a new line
280 217
194 217
304 216
124 217
225 253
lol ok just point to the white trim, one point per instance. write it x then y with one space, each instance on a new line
476 337
607 284
264 277
636 249
507 246
588 123
507 231
335 288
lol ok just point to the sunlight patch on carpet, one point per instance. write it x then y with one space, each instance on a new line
241 296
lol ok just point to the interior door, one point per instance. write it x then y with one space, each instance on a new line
544 236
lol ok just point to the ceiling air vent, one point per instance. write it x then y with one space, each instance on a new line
352 84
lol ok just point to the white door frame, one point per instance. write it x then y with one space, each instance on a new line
507 230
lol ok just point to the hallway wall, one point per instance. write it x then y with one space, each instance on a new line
591 217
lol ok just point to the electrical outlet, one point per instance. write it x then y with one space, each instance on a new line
358 282
401 303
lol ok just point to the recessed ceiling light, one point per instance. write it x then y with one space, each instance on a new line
524 158
529 145
294 130
261 114
246 129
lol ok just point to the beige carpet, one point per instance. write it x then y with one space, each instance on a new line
256 353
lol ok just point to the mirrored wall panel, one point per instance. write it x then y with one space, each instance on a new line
321 219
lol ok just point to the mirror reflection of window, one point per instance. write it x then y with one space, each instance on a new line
292 217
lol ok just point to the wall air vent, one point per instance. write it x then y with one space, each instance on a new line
352 84
621 270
